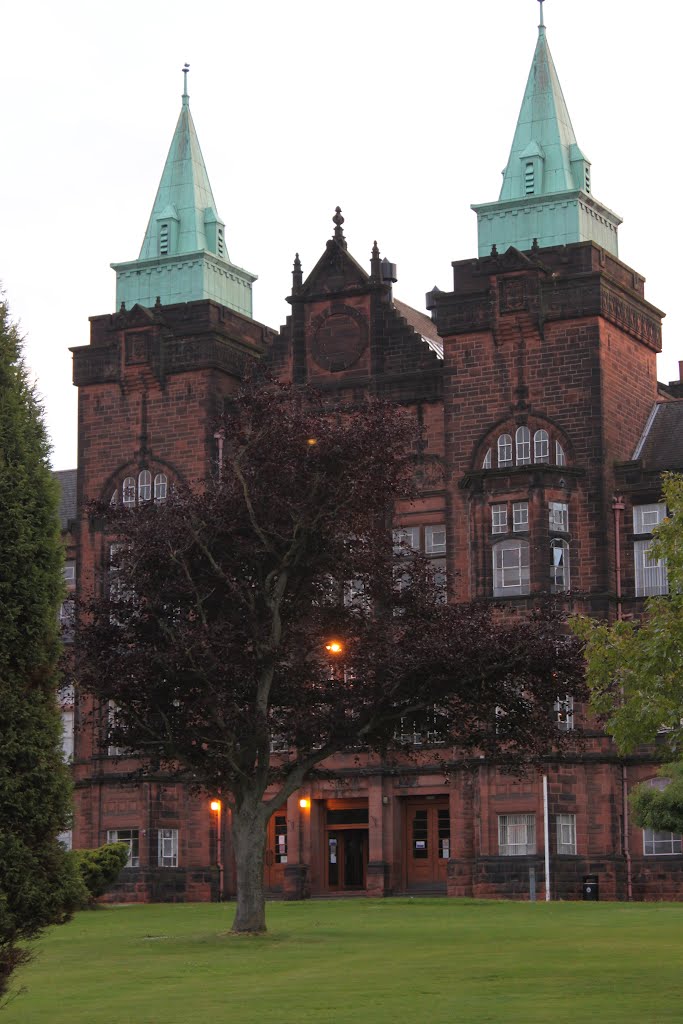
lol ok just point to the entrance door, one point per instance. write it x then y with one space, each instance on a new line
347 856
276 852
428 844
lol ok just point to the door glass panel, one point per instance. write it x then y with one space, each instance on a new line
332 859
444 827
280 839
420 850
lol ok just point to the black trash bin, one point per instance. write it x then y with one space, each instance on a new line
591 887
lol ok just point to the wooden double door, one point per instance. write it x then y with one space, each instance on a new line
427 843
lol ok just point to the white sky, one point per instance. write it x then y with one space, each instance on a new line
400 112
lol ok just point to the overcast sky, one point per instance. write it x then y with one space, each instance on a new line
400 112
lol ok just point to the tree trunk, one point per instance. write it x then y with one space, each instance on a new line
249 830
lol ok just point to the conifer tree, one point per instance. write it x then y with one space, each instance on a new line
39 884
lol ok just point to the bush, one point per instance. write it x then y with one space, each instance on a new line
100 868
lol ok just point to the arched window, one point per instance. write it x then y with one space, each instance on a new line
560 459
115 497
559 565
144 485
523 443
129 491
541 446
511 568
160 487
487 460
505 450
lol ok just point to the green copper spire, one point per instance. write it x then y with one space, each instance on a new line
184 254
546 192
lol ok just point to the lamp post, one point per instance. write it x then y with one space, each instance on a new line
216 809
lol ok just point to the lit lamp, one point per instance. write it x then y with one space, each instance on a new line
304 803
334 647
215 805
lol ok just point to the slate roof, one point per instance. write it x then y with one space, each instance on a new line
66 479
424 326
661 446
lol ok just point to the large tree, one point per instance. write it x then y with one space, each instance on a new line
267 605
635 673
39 884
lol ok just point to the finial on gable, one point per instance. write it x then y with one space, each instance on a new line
338 220
186 97
374 263
297 276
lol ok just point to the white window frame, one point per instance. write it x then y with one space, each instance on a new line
516 835
440 579
647 517
499 518
541 446
558 516
559 566
131 836
488 460
404 538
144 485
504 449
565 834
112 711
661 844
435 539
520 516
128 491
560 457
511 576
167 848
564 711
68 734
160 487
650 574
522 446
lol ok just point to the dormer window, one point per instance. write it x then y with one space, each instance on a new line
145 485
129 491
529 178
523 442
541 446
587 179
164 238
505 450
220 246
518 450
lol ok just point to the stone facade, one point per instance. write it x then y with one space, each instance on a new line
559 341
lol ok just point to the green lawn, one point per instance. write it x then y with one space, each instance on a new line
422 961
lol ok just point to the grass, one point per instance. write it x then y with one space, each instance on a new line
402 961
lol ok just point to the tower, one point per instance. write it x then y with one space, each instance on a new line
549 381
546 193
151 384
184 255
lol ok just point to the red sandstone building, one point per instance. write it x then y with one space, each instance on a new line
545 436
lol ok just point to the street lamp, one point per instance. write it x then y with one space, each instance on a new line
216 808
334 647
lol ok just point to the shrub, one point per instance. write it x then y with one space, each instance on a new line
101 867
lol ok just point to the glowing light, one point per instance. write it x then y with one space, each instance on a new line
311 441
215 805
334 647
304 803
